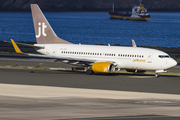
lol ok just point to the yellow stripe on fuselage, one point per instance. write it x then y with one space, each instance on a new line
16 47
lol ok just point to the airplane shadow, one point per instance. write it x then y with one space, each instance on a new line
113 74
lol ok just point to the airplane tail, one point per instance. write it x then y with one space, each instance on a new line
43 31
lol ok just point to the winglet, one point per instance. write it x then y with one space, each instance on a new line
16 47
133 43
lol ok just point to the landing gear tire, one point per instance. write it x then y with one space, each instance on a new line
89 72
156 75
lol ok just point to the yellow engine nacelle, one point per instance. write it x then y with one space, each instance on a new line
103 67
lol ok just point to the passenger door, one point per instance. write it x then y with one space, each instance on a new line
149 59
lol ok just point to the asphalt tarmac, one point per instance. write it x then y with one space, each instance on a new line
85 108
72 79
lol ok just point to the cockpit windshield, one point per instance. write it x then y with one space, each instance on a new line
164 56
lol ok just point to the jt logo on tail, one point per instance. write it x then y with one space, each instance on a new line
39 30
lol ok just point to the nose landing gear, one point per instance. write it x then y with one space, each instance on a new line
159 71
156 75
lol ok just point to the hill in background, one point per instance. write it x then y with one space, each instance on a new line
88 5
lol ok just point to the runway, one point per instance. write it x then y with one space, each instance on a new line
72 95
121 82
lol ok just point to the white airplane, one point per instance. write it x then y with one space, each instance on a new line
96 58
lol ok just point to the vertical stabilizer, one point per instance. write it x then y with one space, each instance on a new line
43 31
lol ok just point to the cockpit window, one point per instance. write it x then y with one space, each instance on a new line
164 56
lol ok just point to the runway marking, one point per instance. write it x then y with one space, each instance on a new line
31 91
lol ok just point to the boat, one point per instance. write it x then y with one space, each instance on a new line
139 13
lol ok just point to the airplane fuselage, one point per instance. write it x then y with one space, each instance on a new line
125 57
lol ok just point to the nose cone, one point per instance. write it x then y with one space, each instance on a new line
173 63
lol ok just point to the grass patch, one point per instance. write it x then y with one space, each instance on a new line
40 67
16 65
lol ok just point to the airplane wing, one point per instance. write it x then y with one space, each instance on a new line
68 60
25 44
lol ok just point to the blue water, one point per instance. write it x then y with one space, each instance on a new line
163 29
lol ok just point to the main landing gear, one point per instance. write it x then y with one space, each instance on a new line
89 72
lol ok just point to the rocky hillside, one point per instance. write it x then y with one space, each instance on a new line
88 5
